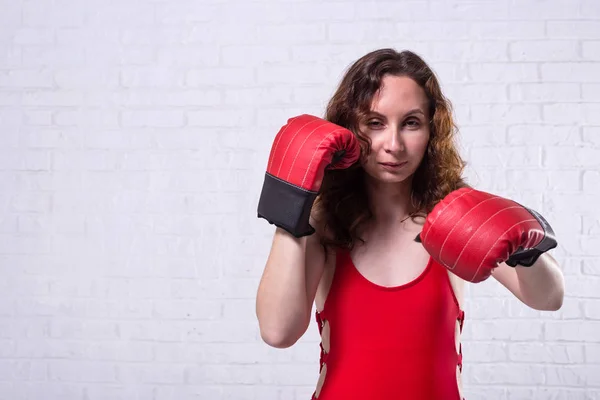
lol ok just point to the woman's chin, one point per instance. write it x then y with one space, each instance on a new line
387 178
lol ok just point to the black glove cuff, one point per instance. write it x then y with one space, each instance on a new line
527 257
286 206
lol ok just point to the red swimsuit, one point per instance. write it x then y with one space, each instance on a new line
390 342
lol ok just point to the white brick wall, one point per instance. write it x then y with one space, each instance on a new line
133 142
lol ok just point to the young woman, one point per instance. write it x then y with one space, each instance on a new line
348 195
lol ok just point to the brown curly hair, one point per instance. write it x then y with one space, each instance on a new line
342 205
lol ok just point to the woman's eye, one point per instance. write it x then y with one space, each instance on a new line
374 124
412 123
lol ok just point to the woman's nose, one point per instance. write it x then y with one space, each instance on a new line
393 141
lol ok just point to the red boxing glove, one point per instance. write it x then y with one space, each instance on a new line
301 152
470 232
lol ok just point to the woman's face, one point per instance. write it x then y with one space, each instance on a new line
398 127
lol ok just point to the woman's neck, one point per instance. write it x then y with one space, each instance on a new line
390 203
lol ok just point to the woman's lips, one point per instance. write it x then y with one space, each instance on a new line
393 164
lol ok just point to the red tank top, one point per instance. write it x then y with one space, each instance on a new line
390 342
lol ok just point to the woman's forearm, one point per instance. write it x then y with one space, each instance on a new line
542 285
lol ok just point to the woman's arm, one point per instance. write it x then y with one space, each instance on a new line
540 286
288 287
